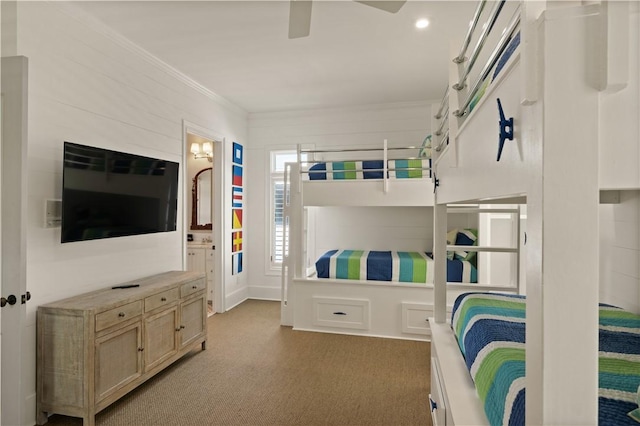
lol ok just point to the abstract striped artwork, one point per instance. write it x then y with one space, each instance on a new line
237 206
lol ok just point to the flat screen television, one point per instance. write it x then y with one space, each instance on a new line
108 194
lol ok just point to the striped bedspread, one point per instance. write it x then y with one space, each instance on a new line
490 330
374 169
399 266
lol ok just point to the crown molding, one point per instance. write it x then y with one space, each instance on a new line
99 27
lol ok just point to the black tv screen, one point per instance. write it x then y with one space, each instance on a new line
108 194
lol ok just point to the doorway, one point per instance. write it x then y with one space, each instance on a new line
203 209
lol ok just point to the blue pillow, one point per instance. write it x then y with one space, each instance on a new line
466 237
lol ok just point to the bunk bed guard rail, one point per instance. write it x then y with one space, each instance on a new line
379 165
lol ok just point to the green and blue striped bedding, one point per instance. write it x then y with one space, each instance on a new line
350 170
398 266
490 330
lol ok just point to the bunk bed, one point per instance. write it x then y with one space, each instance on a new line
384 291
388 175
530 129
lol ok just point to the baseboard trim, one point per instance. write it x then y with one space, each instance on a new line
264 293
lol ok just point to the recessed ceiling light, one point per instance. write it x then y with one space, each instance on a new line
422 23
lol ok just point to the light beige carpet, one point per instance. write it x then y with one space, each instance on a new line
256 372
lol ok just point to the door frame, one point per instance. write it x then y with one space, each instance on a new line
218 207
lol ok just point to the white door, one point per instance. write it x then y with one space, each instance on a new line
1 286
14 367
499 230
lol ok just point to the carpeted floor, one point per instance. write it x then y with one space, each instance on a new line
255 372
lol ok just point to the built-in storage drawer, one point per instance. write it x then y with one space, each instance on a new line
118 315
415 318
192 287
342 313
161 299
436 397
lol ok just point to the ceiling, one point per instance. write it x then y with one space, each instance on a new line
355 54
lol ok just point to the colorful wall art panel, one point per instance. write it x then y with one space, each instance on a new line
236 263
236 202
237 219
236 241
237 207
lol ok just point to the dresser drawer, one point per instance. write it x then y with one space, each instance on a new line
192 287
161 299
118 315
342 313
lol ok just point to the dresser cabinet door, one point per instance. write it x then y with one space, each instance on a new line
196 260
193 317
118 359
160 337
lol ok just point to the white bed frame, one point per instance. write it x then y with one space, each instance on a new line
348 306
380 309
556 88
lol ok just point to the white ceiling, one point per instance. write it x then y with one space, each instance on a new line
355 54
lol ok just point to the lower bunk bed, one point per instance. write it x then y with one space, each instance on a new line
478 363
395 266
373 293
365 308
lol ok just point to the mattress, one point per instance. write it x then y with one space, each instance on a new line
373 169
490 331
398 266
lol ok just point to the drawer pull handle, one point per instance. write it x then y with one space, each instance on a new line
163 299
195 287
182 327
433 404
140 349
339 313
121 314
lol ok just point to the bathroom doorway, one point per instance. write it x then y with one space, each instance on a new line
203 210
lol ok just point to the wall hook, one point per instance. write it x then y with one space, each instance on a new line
506 129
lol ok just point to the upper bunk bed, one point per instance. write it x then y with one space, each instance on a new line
485 146
557 96
382 175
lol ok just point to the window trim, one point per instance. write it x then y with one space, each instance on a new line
272 267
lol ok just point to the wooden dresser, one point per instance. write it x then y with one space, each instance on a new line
96 347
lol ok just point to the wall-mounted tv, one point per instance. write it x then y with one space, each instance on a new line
108 194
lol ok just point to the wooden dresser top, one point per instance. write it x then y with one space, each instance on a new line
108 297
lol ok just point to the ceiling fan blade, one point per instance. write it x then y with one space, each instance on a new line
388 6
299 18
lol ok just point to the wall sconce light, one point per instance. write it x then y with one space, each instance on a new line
205 152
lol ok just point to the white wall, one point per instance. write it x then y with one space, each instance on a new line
619 129
402 124
620 252
88 86
382 228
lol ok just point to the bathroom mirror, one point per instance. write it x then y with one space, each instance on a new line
201 200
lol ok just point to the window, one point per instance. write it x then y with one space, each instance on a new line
277 196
